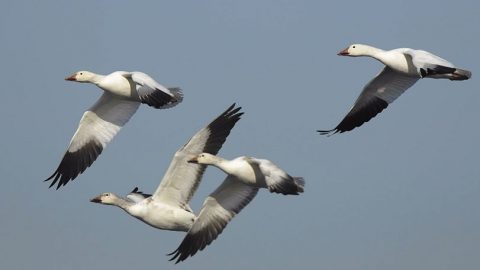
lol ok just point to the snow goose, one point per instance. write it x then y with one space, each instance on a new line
123 93
245 175
403 67
168 208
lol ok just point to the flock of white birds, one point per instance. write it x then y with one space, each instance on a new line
168 207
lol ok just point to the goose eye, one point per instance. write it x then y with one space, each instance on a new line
353 47
81 73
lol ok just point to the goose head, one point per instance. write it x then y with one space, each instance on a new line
106 198
82 76
355 50
203 158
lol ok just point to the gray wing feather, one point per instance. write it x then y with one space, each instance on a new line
154 94
276 179
97 127
423 59
382 90
182 178
218 209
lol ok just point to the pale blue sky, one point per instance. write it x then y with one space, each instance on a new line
401 192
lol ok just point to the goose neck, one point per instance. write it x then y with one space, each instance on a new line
96 78
219 163
374 52
122 203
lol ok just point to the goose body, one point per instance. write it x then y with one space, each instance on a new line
403 68
156 214
123 94
168 207
255 172
245 175
165 217
118 84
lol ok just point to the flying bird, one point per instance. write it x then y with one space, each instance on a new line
168 208
123 93
245 175
403 68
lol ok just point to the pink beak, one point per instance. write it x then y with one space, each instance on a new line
343 52
71 78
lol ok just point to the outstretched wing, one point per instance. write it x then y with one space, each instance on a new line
387 86
276 179
218 209
182 178
154 94
423 59
432 66
96 129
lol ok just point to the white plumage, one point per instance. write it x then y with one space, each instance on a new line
168 208
123 93
245 175
403 68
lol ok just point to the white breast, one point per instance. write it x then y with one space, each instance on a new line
396 60
163 216
244 171
119 85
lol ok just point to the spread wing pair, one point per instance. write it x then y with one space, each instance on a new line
101 122
404 67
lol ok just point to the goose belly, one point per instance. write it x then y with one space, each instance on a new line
399 62
168 218
403 65
249 176
120 86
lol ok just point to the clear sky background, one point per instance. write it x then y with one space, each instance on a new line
400 192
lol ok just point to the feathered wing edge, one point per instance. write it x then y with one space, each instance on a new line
217 211
179 186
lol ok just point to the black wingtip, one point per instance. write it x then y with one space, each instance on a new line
288 186
59 179
175 256
137 191
75 163
190 245
230 112
329 133
231 107
221 127
161 100
358 116
56 178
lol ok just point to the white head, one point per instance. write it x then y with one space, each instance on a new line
106 198
356 50
203 158
82 76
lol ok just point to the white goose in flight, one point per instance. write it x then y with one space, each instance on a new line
123 93
245 175
403 68
168 208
